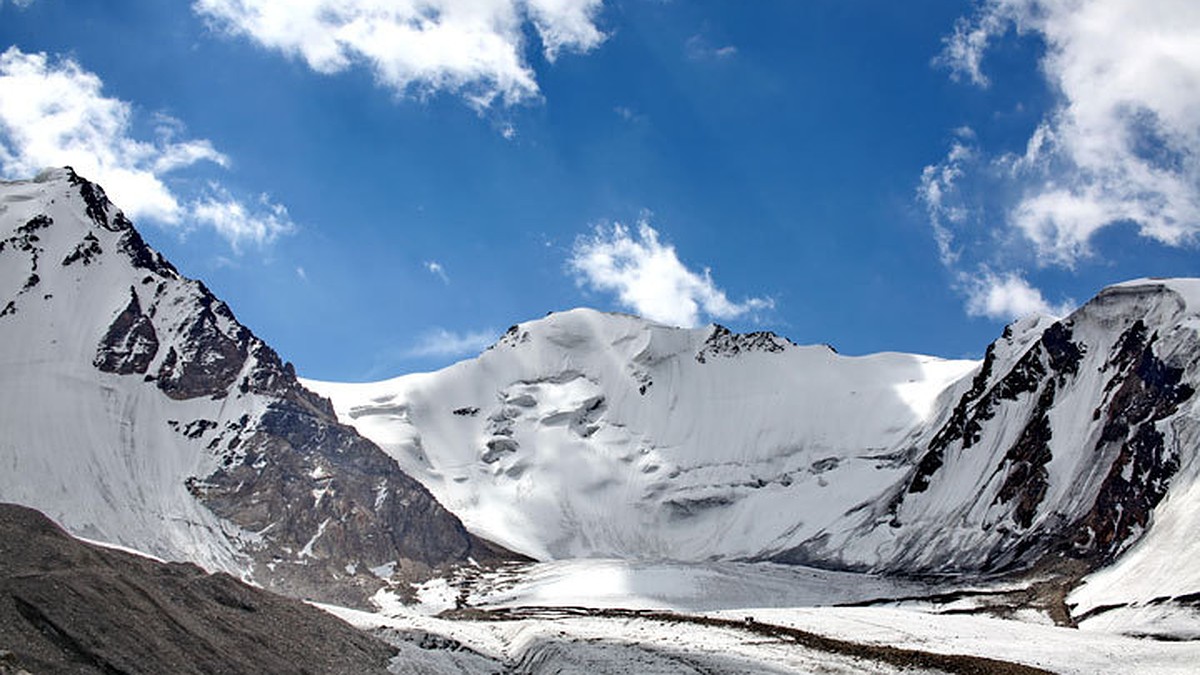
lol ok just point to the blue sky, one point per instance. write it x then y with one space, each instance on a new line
386 188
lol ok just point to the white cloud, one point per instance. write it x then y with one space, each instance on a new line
649 278
440 342
1119 145
1122 143
964 49
435 268
698 48
938 190
566 25
1007 296
475 48
239 223
54 113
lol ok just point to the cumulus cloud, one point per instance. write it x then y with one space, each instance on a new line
475 48
55 113
440 342
649 279
1119 146
1007 296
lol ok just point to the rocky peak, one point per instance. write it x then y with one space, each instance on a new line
723 342
304 503
97 206
1116 361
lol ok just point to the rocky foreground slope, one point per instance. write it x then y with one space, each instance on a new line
137 410
69 607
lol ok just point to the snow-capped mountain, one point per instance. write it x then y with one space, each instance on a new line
590 434
136 410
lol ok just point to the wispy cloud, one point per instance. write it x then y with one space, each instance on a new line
440 342
1119 146
237 222
647 277
55 113
475 49
699 48
435 268
630 115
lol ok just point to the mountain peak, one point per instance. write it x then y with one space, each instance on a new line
1185 288
138 410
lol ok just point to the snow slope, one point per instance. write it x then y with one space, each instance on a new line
77 440
558 615
591 434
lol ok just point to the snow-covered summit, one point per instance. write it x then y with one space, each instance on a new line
137 410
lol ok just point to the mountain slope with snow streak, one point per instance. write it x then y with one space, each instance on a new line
1064 441
137 410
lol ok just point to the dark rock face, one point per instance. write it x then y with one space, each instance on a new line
70 607
144 257
27 240
1024 466
204 359
1145 390
130 343
104 214
724 342
98 208
323 498
85 252
512 337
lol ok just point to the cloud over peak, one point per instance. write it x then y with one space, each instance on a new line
648 278
1007 296
55 113
1119 145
